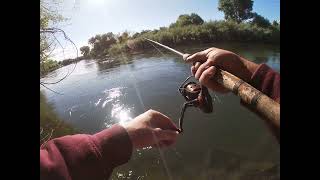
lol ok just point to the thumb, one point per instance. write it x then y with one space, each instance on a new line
165 135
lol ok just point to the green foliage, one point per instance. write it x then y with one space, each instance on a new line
275 23
123 37
100 43
48 17
189 29
118 48
236 10
260 21
85 50
48 65
185 19
212 31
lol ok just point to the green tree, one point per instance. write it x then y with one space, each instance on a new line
275 23
260 21
85 50
48 18
100 43
237 10
186 19
123 37
196 19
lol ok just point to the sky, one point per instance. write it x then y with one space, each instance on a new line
90 17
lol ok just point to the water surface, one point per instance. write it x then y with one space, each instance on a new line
230 143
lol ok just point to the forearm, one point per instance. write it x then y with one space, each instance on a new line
261 77
267 81
85 156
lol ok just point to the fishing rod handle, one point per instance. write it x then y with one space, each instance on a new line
258 101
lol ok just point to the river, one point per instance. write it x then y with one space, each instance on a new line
230 143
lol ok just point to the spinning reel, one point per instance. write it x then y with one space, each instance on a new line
196 95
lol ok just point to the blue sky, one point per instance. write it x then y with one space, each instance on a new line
90 17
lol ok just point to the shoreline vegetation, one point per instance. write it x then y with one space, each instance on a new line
187 30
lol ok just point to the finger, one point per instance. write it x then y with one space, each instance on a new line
207 75
206 79
200 70
193 71
163 121
195 67
212 62
165 135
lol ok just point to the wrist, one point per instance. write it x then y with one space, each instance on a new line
130 132
251 67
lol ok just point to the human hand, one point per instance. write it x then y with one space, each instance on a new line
205 64
151 129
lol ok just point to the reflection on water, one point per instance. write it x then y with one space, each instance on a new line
118 110
230 143
120 113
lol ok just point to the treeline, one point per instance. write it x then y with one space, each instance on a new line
47 66
212 31
70 61
240 25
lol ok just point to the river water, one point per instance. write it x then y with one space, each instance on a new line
230 143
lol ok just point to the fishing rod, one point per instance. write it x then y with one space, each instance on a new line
256 100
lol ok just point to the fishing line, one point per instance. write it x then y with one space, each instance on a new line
144 108
50 89
52 31
172 148
156 48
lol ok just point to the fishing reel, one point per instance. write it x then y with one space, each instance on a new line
196 95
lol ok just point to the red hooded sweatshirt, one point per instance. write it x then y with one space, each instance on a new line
83 157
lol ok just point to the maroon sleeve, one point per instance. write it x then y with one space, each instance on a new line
267 81
84 156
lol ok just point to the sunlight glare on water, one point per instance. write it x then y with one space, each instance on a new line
119 111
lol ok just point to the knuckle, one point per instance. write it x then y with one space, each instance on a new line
151 111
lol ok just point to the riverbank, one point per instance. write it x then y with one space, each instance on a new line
51 126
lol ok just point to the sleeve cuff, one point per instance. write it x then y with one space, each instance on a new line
114 146
258 76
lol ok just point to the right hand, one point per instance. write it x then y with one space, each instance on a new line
205 64
151 129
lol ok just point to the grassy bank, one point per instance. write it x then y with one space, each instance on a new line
51 126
